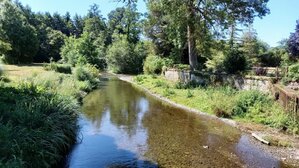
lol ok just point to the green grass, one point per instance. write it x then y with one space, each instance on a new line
38 114
227 102
37 127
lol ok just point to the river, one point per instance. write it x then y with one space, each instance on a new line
121 126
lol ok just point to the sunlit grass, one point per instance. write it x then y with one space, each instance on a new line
19 72
249 106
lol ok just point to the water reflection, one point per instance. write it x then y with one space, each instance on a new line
123 105
123 127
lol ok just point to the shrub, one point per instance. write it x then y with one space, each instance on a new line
61 68
87 73
64 68
248 99
293 72
154 64
234 61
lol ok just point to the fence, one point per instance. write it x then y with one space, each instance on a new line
288 99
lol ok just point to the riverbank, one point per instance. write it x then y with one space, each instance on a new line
38 113
289 154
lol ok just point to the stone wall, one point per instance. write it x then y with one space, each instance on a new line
239 82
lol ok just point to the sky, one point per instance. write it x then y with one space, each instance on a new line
271 29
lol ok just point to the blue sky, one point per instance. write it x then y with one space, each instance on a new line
271 29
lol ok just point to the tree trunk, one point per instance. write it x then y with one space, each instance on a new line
191 48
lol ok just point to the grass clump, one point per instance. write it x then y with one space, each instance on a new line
37 127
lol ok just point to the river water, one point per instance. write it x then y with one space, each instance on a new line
121 126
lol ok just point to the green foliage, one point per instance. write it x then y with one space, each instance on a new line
52 45
186 85
270 59
69 52
4 47
154 64
61 68
37 128
292 75
87 73
125 21
225 102
252 47
16 31
247 100
139 79
293 72
189 94
87 50
168 92
123 57
234 61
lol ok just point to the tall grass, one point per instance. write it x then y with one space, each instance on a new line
38 117
224 101
36 127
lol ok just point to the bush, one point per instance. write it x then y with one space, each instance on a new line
234 62
154 64
61 68
248 99
64 68
87 73
293 72
37 128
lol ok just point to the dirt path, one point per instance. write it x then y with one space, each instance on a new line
289 154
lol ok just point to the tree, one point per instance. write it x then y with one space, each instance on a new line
55 40
293 42
206 15
84 50
18 32
125 57
125 20
79 25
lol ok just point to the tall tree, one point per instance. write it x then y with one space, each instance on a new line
293 42
209 15
17 31
78 24
125 20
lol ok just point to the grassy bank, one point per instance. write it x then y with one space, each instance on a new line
38 113
246 106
